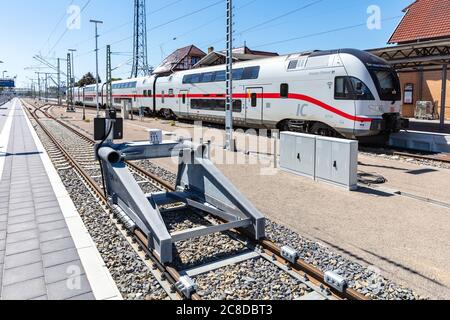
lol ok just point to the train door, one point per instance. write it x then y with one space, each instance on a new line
254 111
183 102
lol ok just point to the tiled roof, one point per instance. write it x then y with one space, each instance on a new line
172 61
424 20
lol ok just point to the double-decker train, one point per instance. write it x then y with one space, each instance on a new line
344 92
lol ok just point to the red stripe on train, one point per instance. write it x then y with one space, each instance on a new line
292 96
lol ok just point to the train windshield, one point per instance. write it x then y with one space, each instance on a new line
388 84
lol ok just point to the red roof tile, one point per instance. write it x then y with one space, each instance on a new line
424 20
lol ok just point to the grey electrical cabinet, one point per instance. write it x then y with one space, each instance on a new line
337 162
323 159
298 153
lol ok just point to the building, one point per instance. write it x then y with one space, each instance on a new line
420 52
192 57
182 59
214 58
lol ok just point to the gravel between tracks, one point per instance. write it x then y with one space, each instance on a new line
134 280
366 280
410 160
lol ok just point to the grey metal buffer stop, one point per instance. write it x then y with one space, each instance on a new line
199 186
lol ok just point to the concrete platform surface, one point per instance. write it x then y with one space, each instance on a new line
45 251
407 239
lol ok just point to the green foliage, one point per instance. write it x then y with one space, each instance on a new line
87 79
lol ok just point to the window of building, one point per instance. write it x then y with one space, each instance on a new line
284 90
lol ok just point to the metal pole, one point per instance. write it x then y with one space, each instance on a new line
109 101
96 22
39 86
443 98
229 74
46 87
73 73
59 81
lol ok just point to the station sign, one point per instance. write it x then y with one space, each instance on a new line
7 83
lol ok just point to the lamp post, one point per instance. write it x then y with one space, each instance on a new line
96 22
73 72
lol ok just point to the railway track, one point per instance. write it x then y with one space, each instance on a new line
76 149
408 154
413 154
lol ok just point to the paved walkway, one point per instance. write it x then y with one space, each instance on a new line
428 126
39 258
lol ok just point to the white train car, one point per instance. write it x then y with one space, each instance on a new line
342 92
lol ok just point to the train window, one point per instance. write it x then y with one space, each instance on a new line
145 93
220 76
183 98
171 93
254 99
293 65
214 105
187 78
162 97
208 77
341 88
237 74
149 93
351 88
251 73
195 78
387 83
284 90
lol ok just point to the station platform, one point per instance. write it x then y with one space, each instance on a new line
428 126
45 250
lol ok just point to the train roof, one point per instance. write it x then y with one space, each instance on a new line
364 56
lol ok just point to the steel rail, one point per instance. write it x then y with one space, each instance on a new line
301 267
169 274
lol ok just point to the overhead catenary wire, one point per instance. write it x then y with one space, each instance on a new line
129 22
290 12
322 33
67 29
204 24
162 24
56 27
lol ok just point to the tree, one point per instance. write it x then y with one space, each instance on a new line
87 79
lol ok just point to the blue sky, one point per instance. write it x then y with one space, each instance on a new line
28 27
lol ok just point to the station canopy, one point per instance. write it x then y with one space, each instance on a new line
421 55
